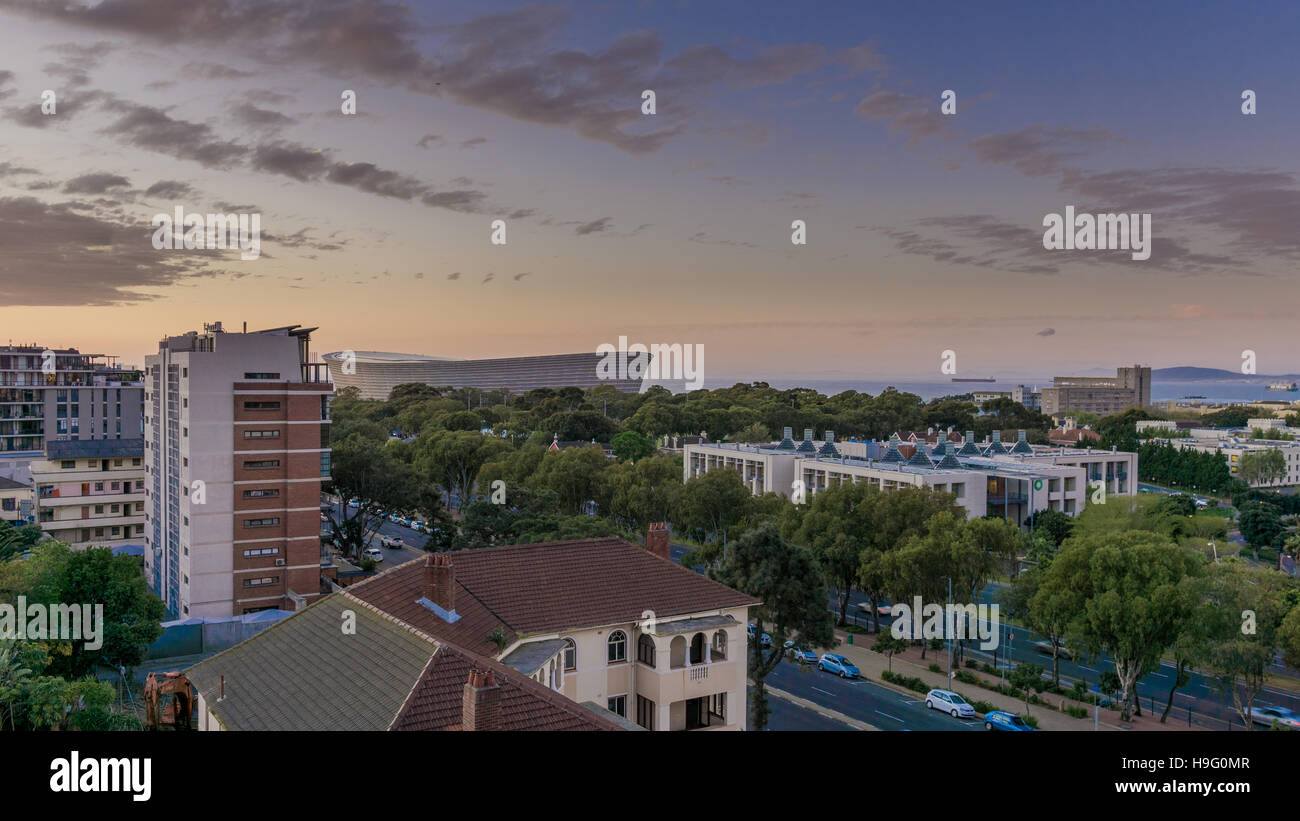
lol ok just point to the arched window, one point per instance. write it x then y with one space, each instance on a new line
720 644
617 646
645 650
570 655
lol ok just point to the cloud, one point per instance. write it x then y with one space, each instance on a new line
8 169
260 118
1046 332
428 139
455 275
1038 150
170 190
593 227
474 142
521 276
153 129
57 255
916 116
513 63
6 77
95 183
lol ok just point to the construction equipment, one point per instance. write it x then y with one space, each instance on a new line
168 701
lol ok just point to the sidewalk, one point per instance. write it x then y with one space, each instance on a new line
872 664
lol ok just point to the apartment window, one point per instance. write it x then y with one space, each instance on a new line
261 406
570 655
261 551
261 494
959 490
265 580
269 522
185 372
99 509
645 712
261 434
117 463
115 508
68 464
645 650
617 647
262 464
99 486
115 485
261 375
618 705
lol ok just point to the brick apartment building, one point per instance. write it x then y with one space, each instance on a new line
236 449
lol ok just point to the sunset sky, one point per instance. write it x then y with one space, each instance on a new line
924 230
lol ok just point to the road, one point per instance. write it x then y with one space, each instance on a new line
1209 707
413 539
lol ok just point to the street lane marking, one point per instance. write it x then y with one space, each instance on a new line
820 690
887 715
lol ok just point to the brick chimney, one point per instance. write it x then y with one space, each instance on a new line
481 702
656 540
440 581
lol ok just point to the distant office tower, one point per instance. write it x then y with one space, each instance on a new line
1129 388
56 395
375 373
236 448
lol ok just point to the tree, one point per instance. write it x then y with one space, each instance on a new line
712 504
1252 605
1126 590
895 517
1260 525
630 445
1195 639
1262 467
17 540
1052 524
1045 609
888 644
574 475
373 476
643 492
836 527
786 580
452 459
754 432
1028 678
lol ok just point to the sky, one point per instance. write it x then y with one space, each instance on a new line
924 230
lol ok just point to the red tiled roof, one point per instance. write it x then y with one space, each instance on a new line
435 702
548 586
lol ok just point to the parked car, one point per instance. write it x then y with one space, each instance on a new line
373 553
766 641
1045 647
832 663
802 655
1268 715
391 541
1002 720
949 702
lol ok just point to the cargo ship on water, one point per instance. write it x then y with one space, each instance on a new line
1284 387
987 379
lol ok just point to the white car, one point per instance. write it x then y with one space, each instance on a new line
391 541
1267 716
373 553
950 703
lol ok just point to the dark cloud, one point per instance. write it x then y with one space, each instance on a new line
465 201
521 276
455 275
473 142
428 139
55 255
216 71
6 77
1046 332
915 116
170 190
365 176
153 129
8 169
1038 150
95 183
510 63
292 160
260 118
66 106
593 227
